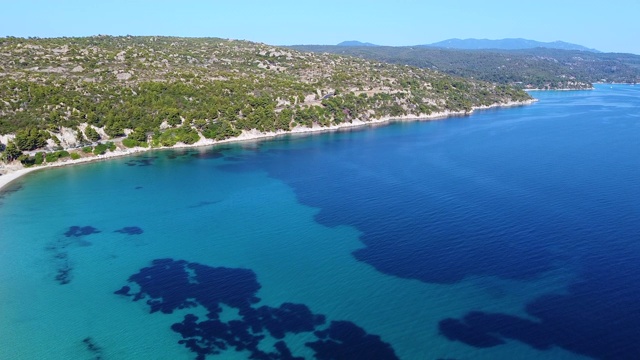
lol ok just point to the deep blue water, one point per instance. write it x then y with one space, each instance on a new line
511 233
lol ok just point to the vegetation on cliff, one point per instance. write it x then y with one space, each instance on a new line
64 93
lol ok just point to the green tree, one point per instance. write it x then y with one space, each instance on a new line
30 138
138 134
173 116
92 118
114 128
284 119
80 137
11 152
91 133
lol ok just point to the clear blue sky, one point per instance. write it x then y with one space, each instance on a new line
611 26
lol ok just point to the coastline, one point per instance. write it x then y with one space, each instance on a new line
586 89
15 172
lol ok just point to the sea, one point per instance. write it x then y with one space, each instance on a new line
508 234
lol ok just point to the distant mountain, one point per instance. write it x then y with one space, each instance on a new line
505 44
355 43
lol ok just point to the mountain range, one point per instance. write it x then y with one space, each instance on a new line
506 44
355 43
481 44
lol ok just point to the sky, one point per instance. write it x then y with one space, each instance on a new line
609 26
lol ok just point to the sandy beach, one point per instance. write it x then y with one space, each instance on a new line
14 172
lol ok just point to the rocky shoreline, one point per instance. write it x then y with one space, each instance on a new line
14 171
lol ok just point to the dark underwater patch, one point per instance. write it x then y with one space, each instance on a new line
168 285
234 158
10 189
142 161
13 187
598 317
77 231
401 237
93 348
180 153
130 230
59 251
209 154
60 259
63 273
344 340
201 154
203 203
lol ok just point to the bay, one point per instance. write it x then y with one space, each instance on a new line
510 233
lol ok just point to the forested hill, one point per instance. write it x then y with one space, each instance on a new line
69 92
537 68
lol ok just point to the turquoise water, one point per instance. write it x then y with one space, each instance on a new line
487 237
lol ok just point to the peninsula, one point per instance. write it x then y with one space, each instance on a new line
71 100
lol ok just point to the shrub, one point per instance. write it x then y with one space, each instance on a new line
75 156
26 160
38 158
130 143
100 149
51 157
54 156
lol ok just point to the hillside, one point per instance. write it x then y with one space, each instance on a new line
158 91
537 68
506 44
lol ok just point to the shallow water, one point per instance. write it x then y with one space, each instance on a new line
510 233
